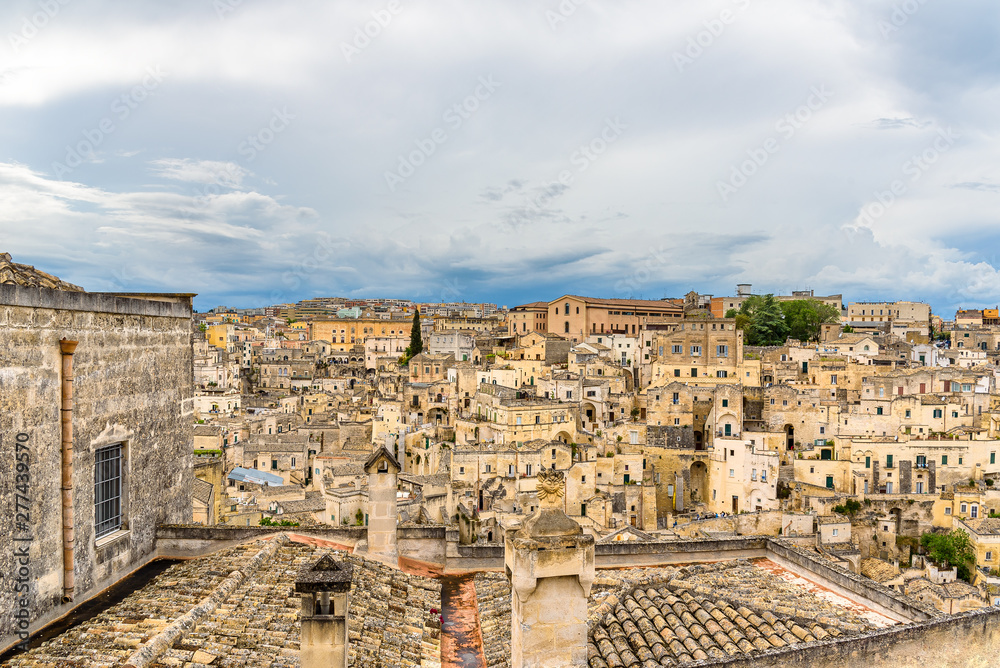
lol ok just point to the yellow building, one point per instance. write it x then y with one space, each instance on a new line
344 333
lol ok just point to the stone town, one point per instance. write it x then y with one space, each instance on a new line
576 482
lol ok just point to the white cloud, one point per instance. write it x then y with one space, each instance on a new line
227 174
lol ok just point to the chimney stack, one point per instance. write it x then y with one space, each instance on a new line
326 591
550 563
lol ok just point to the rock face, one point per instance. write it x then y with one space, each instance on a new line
28 276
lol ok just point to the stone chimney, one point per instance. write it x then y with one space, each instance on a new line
550 563
382 470
326 591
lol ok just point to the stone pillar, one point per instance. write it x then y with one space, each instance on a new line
678 493
905 476
382 470
325 588
550 563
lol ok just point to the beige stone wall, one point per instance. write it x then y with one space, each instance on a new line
552 632
133 384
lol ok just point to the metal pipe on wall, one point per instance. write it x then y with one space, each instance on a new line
67 348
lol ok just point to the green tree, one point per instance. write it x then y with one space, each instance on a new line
804 317
416 342
765 325
951 549
741 320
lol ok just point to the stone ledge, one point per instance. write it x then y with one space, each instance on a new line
179 305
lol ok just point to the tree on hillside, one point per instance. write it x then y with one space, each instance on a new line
416 342
804 317
951 549
741 320
765 323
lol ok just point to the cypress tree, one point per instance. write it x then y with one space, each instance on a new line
416 343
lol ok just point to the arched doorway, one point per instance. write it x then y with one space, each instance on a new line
699 481
789 437
563 437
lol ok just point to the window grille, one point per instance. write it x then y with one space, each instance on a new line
108 489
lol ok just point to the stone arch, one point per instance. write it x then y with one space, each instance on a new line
564 437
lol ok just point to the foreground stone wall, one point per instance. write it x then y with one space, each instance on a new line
133 383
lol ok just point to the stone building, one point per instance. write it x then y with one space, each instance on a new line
96 411
531 317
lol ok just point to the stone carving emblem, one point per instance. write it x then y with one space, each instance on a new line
550 486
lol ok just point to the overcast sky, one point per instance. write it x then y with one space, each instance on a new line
509 151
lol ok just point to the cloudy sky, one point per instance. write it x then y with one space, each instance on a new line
504 150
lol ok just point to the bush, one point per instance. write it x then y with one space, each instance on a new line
989 482
268 522
849 508
359 517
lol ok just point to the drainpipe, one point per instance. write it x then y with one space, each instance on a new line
67 348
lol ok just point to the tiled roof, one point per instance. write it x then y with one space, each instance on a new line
667 616
256 622
878 570
28 276
670 304
202 490
986 525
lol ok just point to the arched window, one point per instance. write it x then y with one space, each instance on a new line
567 327
567 308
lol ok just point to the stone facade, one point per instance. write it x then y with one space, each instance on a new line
133 382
